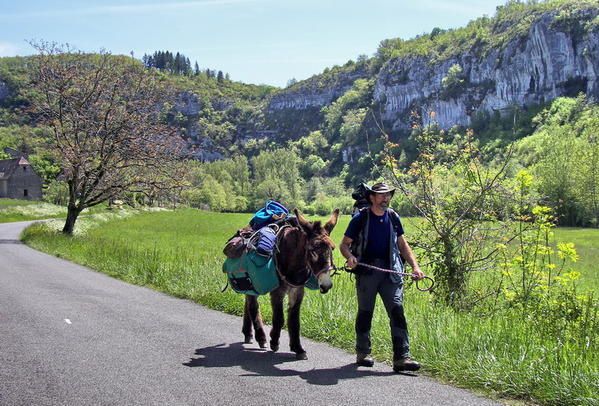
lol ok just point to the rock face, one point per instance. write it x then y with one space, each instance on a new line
295 112
545 65
4 92
201 146
542 65
315 94
188 104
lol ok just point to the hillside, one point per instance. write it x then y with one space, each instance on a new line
212 114
526 55
523 57
493 75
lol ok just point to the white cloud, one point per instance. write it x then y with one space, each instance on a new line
164 6
8 49
126 8
463 7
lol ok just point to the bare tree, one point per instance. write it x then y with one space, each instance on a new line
465 206
104 112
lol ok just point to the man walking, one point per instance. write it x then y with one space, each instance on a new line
375 237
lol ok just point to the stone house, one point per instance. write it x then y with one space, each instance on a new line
18 180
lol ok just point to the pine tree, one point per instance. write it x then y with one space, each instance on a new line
187 68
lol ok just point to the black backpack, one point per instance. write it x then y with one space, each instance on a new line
361 197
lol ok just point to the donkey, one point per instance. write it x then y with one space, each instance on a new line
303 250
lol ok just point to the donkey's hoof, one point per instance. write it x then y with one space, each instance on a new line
248 340
274 347
262 344
301 356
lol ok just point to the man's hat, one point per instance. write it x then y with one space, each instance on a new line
380 188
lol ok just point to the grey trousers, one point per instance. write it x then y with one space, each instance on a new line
367 287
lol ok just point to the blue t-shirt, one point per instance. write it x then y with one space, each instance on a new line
378 234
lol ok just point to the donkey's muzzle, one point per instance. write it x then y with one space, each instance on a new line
324 282
325 289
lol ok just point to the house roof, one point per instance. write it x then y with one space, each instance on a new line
8 166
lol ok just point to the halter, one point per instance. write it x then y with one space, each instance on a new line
308 268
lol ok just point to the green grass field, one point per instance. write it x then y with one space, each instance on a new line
586 242
12 210
23 210
4 203
505 355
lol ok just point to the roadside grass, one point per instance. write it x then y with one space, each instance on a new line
586 241
23 210
12 210
507 354
15 202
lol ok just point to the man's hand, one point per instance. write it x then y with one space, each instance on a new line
352 262
417 274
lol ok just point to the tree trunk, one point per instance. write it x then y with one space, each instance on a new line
72 215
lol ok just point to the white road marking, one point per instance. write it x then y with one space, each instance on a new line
68 321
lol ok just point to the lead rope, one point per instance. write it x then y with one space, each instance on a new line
376 268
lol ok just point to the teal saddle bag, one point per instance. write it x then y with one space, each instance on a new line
252 273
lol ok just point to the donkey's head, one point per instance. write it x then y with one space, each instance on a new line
319 248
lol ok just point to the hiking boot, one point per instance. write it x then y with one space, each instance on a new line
364 360
405 364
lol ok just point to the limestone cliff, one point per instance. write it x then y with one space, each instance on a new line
4 93
295 111
544 65
548 61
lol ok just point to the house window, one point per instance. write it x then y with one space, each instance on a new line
24 169
25 192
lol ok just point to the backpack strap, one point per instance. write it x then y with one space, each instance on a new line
363 236
394 218
396 224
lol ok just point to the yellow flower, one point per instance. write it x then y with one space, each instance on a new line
509 295
567 251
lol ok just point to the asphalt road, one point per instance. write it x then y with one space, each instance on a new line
71 336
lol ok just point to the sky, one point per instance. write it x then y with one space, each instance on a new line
254 41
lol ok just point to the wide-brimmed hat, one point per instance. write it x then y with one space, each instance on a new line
380 187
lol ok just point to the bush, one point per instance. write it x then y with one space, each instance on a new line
57 192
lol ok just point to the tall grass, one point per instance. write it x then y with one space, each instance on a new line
23 210
506 354
586 241
5 202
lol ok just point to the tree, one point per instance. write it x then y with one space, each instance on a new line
461 202
563 154
104 114
454 82
276 174
352 126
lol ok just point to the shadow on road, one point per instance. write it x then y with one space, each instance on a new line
264 363
6 241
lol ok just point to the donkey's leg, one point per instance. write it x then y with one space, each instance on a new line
278 317
296 295
250 302
258 323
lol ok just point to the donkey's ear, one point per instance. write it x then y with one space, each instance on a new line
305 224
330 225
